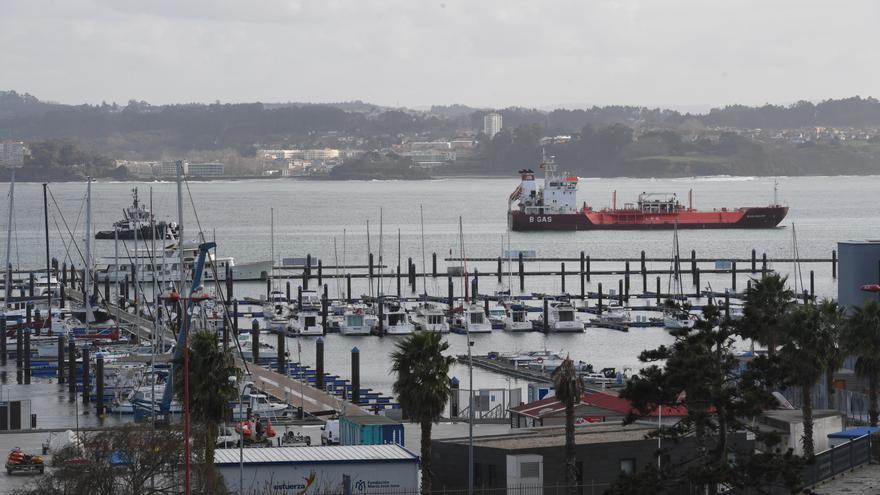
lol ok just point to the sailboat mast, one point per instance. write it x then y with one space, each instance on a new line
7 267
509 264
424 270
48 322
369 253
464 287
379 288
272 242
180 236
336 270
88 268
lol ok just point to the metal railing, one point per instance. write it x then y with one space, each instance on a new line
838 459
582 489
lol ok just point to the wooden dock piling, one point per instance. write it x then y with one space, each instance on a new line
86 380
562 277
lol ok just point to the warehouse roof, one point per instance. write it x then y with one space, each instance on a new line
317 455
602 400
369 419
553 437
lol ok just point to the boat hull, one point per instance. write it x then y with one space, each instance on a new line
766 217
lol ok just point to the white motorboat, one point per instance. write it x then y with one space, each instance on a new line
245 343
431 318
472 319
307 319
276 305
258 404
561 318
395 319
677 320
165 266
736 313
146 398
546 361
497 316
354 321
615 313
307 322
517 319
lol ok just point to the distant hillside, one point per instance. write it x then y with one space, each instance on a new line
603 141
14 105
378 166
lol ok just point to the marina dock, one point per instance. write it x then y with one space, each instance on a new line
282 387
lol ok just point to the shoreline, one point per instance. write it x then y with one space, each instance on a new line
237 178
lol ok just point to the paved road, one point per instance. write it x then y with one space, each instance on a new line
863 481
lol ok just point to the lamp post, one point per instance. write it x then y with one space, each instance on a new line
233 380
470 413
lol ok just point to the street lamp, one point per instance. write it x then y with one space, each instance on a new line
470 412
232 380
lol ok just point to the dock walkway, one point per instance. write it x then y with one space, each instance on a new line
285 388
134 324
506 369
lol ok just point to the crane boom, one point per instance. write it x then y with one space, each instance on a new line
185 323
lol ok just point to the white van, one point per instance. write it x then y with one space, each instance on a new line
330 433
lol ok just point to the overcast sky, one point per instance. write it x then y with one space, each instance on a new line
493 53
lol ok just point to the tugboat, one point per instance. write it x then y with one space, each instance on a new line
553 206
138 219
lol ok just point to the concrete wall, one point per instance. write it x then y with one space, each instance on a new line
822 427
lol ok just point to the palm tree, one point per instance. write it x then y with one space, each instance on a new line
803 359
861 337
422 386
832 321
766 302
569 390
210 390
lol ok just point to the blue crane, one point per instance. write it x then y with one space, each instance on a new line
165 406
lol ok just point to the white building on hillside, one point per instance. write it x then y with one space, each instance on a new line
12 154
491 124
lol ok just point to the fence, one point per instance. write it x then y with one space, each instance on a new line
854 405
489 403
838 459
583 489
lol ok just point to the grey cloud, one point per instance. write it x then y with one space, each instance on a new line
494 52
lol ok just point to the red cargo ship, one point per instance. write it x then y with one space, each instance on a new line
553 206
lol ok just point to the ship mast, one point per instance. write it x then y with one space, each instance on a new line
7 267
88 268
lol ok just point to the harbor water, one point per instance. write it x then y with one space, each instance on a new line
328 219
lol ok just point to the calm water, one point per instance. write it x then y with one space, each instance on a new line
310 215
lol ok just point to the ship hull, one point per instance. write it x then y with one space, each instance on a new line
767 217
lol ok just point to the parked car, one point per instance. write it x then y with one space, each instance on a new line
330 433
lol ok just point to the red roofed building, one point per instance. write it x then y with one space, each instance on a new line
595 407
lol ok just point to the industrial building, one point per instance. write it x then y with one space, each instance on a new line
858 265
362 469
536 457
205 170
